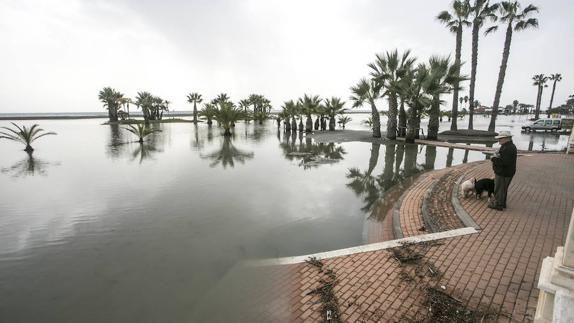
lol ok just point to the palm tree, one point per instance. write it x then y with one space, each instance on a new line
416 94
145 101
516 20
141 131
208 112
227 114
309 105
540 83
455 22
556 78
388 70
222 97
515 106
194 98
112 101
445 77
24 135
368 122
368 91
481 12
343 120
283 115
291 109
334 106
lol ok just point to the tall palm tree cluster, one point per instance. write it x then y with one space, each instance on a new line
118 105
413 89
479 13
540 81
308 106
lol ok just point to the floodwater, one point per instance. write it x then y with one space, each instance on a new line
97 228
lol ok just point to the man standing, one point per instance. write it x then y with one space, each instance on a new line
504 166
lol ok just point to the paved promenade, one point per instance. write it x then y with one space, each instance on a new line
493 272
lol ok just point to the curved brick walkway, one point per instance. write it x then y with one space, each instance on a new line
494 270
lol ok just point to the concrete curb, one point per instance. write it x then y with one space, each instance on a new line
364 248
460 212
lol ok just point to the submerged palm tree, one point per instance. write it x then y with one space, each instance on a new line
516 20
227 114
309 105
481 12
141 131
455 21
388 71
556 78
368 91
24 135
540 82
343 120
334 107
194 98
208 112
112 100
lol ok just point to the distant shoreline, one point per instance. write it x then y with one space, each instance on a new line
103 115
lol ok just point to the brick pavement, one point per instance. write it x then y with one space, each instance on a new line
496 269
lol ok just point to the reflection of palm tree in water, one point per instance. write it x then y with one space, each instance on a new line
197 143
364 183
310 154
29 166
373 188
144 151
430 157
228 155
115 141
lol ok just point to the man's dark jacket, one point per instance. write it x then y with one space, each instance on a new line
505 165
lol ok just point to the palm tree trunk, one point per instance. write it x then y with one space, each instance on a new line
432 132
293 124
323 124
552 97
538 97
194 112
402 120
376 120
29 149
392 118
287 124
317 123
227 131
474 64
501 75
332 123
301 124
453 125
411 129
309 124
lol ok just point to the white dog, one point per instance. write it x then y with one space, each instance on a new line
467 187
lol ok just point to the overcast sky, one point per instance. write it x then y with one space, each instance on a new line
56 55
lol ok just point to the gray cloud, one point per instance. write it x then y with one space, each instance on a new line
56 56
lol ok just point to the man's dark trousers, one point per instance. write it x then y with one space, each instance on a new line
501 185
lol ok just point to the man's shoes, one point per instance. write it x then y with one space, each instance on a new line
494 207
